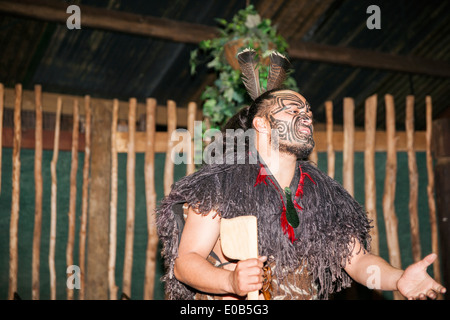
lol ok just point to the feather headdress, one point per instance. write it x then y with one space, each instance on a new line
278 72
248 62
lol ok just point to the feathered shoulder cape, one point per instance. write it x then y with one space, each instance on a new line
329 219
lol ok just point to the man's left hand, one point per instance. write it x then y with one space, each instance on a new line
416 283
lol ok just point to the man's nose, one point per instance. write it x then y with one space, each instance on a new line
306 120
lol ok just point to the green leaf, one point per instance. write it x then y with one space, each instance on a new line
192 61
205 45
222 21
210 103
238 97
228 94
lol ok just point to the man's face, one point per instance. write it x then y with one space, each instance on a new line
291 116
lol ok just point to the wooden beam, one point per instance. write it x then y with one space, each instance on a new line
49 102
28 139
100 18
368 59
161 140
319 136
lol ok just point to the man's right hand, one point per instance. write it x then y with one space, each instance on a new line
247 276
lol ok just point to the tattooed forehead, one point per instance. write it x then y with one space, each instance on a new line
287 101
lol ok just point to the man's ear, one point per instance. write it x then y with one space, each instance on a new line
261 125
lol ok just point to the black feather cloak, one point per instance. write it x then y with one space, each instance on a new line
329 220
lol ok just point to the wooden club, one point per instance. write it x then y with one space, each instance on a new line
239 240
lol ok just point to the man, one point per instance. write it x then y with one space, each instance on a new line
313 237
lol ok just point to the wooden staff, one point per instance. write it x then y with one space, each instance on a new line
349 145
38 195
2 104
51 255
113 205
430 189
331 157
390 216
85 196
150 197
131 161
171 127
192 111
73 192
413 180
369 170
13 229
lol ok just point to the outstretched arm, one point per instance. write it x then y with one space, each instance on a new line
413 282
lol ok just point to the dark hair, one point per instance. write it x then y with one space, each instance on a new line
243 119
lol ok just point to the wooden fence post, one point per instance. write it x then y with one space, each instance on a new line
131 196
99 203
2 104
85 196
369 170
430 189
53 201
441 149
73 192
413 180
171 127
390 217
113 205
192 112
314 156
150 197
13 229
349 143
38 195
331 157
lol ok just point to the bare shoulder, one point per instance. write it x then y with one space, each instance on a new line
200 232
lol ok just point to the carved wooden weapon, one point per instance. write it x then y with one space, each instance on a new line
239 240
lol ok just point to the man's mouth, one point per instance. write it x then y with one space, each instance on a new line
305 130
